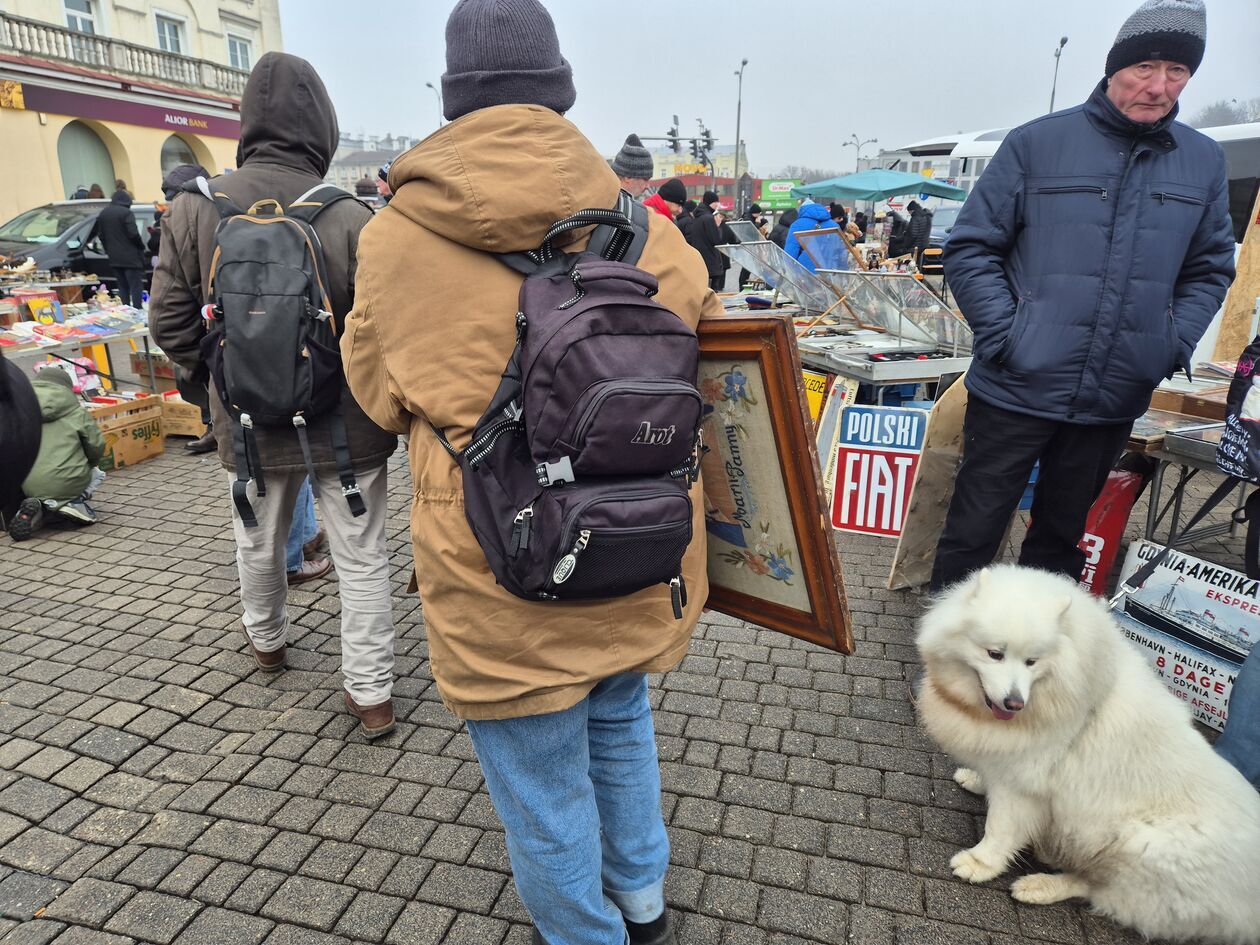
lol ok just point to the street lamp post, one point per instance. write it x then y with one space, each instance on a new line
858 145
439 101
1057 53
739 109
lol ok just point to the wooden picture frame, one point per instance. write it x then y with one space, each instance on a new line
772 554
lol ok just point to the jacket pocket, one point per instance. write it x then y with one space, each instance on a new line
1068 202
1019 326
1176 197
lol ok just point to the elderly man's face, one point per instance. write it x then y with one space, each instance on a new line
633 186
1147 91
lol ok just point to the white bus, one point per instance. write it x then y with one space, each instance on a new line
967 155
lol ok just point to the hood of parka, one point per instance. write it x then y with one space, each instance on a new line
286 116
497 178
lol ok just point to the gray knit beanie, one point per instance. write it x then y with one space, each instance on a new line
1171 30
503 52
634 160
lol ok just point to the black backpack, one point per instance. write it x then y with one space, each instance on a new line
577 479
271 342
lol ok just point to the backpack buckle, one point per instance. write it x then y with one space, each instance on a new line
554 474
352 489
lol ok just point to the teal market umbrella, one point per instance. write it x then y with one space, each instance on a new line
877 184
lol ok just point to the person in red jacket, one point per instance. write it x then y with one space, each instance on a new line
669 199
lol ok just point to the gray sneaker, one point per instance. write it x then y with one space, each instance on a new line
78 511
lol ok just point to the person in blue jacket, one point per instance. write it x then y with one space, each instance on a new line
1089 259
810 216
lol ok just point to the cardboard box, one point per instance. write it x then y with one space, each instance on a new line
1196 622
132 429
179 417
162 365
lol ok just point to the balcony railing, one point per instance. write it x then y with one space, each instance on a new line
50 41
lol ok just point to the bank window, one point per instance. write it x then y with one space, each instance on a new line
80 16
170 35
240 53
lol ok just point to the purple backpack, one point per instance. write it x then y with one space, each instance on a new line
577 479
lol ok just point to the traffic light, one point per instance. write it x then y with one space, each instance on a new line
695 151
708 140
674 141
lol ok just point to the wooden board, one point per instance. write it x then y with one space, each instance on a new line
1240 303
933 490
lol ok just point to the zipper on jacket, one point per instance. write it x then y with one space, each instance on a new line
1180 198
1075 189
1106 274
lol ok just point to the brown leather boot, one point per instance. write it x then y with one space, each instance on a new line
270 662
377 720
311 548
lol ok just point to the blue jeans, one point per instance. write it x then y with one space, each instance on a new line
1239 744
303 529
579 794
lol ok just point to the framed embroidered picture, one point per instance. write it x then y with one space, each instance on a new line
772 557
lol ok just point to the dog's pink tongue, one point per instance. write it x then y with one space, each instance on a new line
1001 714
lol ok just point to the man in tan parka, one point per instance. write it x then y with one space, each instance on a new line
554 694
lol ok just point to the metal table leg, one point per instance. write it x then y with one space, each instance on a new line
1152 509
148 357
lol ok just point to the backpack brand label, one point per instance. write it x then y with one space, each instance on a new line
564 569
649 435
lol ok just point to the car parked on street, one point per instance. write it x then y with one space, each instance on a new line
55 236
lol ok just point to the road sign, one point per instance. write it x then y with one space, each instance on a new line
878 453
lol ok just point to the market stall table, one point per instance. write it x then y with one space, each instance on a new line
1192 456
78 344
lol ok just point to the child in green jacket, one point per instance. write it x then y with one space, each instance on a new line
64 475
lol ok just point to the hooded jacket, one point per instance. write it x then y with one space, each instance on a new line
919 229
706 236
810 216
288 137
70 443
1089 259
431 332
116 226
779 232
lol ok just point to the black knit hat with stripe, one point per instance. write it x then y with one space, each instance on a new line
1167 30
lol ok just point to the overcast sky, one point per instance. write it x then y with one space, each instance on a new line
818 70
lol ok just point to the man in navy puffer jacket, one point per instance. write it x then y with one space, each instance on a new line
1089 259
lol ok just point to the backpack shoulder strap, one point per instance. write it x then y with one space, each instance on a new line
608 240
315 201
221 201
612 243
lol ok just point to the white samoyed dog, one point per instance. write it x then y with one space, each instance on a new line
1088 759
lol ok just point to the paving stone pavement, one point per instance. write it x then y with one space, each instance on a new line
155 787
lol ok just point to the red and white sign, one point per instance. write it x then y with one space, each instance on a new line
878 454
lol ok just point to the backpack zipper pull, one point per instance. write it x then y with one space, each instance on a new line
522 324
568 564
677 596
520 530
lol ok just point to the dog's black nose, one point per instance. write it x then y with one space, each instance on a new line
1012 703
